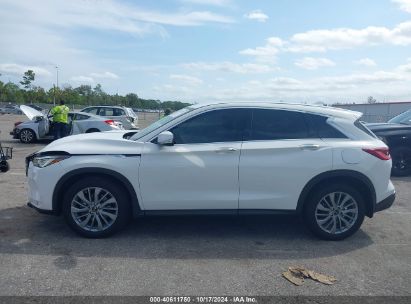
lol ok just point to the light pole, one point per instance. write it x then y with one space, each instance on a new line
57 82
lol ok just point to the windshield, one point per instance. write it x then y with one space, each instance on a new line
403 118
161 122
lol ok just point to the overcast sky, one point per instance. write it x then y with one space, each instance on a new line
207 50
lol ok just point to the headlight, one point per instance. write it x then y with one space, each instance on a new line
44 161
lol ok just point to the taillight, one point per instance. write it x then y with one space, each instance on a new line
381 153
110 122
17 123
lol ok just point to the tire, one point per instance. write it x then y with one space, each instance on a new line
99 219
92 130
320 215
4 166
401 161
27 136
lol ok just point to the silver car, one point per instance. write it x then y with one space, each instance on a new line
125 115
40 127
10 109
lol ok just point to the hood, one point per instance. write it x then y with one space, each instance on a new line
30 112
96 143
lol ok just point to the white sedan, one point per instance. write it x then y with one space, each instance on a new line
40 127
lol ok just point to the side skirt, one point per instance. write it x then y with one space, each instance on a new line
222 212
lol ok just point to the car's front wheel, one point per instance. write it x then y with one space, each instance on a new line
96 207
27 136
334 212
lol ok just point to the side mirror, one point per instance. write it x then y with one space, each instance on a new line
165 138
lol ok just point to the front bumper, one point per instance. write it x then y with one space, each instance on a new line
41 183
385 203
15 133
43 211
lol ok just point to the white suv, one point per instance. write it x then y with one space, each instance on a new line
242 158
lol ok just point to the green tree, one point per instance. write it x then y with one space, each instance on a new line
28 78
371 100
131 100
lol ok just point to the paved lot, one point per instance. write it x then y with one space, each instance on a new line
39 255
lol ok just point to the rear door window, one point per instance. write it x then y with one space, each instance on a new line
92 110
270 124
106 112
118 112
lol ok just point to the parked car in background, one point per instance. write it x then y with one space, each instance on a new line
228 158
125 115
397 135
40 126
11 109
403 118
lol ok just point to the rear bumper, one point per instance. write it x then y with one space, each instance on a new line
385 203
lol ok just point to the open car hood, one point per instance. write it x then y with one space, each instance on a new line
30 112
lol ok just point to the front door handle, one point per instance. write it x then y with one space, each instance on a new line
226 150
311 147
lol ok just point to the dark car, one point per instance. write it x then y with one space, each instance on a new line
396 133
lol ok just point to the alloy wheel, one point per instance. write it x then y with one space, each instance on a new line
26 136
94 209
336 212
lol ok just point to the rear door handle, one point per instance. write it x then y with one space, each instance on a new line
311 147
226 150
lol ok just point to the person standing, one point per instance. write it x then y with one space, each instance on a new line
60 120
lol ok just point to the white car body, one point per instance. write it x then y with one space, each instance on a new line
222 177
78 123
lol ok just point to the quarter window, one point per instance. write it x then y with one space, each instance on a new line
321 128
224 125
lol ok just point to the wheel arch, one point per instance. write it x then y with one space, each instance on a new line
75 175
350 177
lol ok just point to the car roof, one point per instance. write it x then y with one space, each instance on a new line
314 109
119 107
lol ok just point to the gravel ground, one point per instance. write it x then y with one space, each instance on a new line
39 255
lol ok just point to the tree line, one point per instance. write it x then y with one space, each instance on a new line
26 93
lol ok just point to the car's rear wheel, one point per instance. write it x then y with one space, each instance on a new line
401 161
96 207
334 212
27 136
